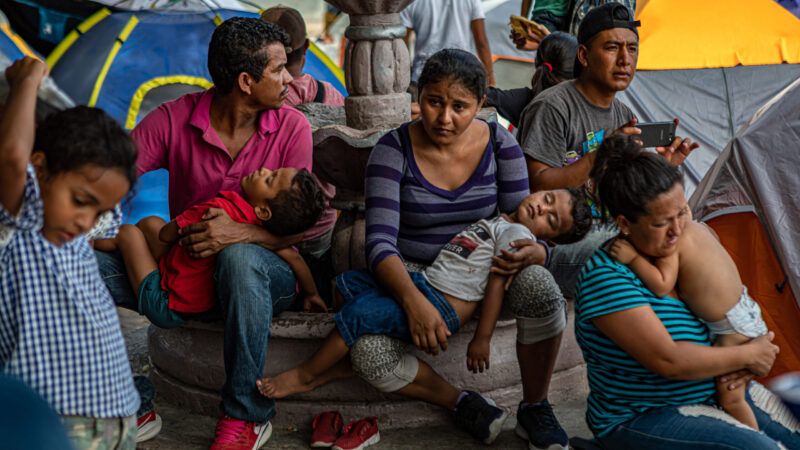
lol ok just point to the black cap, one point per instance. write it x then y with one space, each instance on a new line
604 17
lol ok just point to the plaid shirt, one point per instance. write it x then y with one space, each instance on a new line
59 330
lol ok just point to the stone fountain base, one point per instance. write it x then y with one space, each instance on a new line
188 372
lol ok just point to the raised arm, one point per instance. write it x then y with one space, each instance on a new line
640 333
18 129
382 186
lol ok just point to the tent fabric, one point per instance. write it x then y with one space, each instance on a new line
759 169
710 103
115 61
12 46
743 236
690 34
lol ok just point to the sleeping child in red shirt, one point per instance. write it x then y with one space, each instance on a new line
170 284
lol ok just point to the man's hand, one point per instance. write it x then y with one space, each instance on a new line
27 69
314 303
428 330
478 355
623 251
680 149
528 252
209 237
629 128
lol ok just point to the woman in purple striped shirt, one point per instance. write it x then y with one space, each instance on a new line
426 181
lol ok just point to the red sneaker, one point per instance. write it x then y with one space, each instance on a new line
326 428
148 426
235 434
358 434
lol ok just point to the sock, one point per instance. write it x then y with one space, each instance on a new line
460 397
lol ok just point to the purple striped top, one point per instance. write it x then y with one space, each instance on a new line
409 217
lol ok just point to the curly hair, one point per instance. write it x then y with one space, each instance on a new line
238 46
81 136
581 218
298 208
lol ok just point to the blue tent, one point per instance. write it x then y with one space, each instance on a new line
12 46
130 62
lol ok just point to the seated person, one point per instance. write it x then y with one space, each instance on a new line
455 284
285 202
304 88
553 64
709 283
649 358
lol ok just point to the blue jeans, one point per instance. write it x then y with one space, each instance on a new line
368 309
566 261
253 285
704 428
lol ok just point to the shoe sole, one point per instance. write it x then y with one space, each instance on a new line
374 439
149 430
520 431
496 426
263 437
322 444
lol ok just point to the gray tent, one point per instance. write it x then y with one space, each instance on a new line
711 103
759 171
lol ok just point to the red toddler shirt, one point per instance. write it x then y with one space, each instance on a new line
190 281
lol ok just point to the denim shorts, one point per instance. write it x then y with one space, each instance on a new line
154 303
368 309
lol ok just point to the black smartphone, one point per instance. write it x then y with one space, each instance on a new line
656 134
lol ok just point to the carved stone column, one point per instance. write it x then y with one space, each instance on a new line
376 63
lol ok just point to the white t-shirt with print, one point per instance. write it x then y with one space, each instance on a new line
462 267
440 24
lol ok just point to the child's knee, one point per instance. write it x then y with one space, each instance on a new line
151 223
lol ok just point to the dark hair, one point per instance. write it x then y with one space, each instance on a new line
452 64
295 56
239 45
581 218
80 136
628 177
555 60
298 208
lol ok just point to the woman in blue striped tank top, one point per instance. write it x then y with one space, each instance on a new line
650 362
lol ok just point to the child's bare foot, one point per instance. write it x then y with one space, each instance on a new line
286 383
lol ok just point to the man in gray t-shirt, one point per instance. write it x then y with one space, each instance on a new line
563 126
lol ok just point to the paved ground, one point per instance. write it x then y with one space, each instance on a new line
182 430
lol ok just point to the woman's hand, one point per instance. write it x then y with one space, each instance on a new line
733 380
762 354
428 330
209 237
528 252
27 69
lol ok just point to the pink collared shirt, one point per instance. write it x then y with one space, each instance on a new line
178 136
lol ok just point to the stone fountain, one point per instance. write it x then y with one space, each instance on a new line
188 368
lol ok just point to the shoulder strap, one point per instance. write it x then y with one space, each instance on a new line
320 97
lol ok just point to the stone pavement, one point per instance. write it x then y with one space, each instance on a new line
182 430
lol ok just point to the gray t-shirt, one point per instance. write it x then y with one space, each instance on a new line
462 267
560 126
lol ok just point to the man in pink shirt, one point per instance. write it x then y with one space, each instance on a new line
208 141
304 88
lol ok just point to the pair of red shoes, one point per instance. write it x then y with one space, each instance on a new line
327 431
